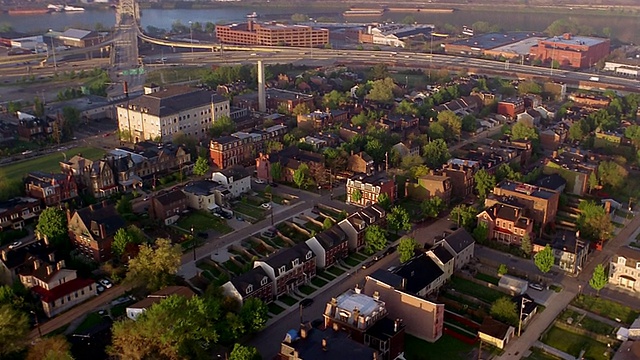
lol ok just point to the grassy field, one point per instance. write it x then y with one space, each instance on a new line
203 221
249 210
288 300
538 354
573 343
472 289
447 348
90 321
606 308
316 281
48 163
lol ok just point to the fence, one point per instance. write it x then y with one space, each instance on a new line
574 329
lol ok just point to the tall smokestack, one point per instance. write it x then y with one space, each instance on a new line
262 97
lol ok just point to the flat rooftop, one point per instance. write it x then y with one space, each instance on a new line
494 40
573 40
522 47
526 189
364 303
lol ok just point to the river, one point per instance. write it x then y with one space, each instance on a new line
625 28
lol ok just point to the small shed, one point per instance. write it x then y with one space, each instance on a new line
496 333
622 334
515 285
634 330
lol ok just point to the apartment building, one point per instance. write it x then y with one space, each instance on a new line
624 269
460 173
91 230
542 203
507 223
289 268
15 212
363 190
272 34
241 148
255 283
572 51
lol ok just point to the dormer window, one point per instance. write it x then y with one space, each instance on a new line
264 281
282 270
295 262
622 260
309 255
249 289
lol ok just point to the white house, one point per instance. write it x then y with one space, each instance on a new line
236 180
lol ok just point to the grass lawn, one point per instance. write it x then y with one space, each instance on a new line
596 326
336 271
606 308
203 221
249 210
233 267
472 289
48 163
488 278
555 288
573 343
447 347
275 309
325 275
307 290
288 300
316 281
90 321
207 267
538 354
351 262
358 256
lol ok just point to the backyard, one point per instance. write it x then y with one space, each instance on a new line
606 308
472 289
48 163
573 343
202 222
447 347
248 210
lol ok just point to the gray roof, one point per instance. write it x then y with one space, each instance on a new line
76 33
387 277
253 277
174 100
202 187
459 240
332 237
285 257
171 197
442 254
102 214
339 346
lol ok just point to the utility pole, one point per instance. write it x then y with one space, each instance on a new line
521 309
193 239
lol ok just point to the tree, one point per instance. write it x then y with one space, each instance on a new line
201 166
299 17
38 107
544 259
71 118
481 232
50 348
382 91
241 352
526 245
505 171
469 123
157 267
374 239
612 174
523 131
578 130
407 248
173 328
300 109
14 327
592 182
356 195
254 315
505 310
300 175
529 87
124 206
276 171
327 223
593 221
432 207
599 279
222 125
121 239
633 133
484 183
502 269
52 224
451 123
464 216
384 201
398 219
334 99
379 71
436 153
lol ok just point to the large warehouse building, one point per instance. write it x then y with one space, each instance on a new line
572 51
272 34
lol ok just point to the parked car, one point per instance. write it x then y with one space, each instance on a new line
266 206
203 235
390 250
536 286
15 244
106 283
272 184
259 181
239 218
100 289
368 264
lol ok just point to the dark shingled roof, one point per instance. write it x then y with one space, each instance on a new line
494 328
102 214
553 182
442 254
253 277
286 256
332 237
419 272
175 99
459 240
339 346
387 277
171 197
383 329
20 256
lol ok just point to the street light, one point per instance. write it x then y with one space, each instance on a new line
37 323
194 244
522 302
191 36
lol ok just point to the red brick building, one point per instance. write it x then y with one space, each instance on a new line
511 107
571 51
365 190
289 268
91 230
272 34
253 284
52 189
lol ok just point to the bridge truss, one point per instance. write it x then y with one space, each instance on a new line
126 11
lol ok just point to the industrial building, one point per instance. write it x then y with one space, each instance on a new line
392 34
572 51
272 34
480 44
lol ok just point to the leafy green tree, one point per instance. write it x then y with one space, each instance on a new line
633 133
300 176
484 183
451 123
334 99
406 108
418 171
38 107
121 239
505 171
398 219
254 315
356 195
171 329
380 71
612 174
502 269
469 123
155 267
410 161
300 109
241 352
432 207
529 87
382 91
464 216
52 224
505 310
436 153
384 201
50 348
599 279
481 232
592 182
222 125
526 245
544 259
578 130
124 205
374 239
276 171
327 224
14 327
523 131
406 248
201 166
593 221
9 188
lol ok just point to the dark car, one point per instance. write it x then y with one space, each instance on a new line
368 264
390 250
203 235
306 302
272 184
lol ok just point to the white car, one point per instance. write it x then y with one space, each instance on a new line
100 289
259 181
106 283
266 206
15 244
535 286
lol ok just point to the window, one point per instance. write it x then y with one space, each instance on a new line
309 255
282 270
249 289
264 281
621 260
295 262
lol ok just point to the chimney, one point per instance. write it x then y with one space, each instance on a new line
262 100
4 255
303 332
324 344
49 269
36 264
554 154
336 327
357 289
46 239
68 216
396 325
52 257
495 211
60 265
356 315
376 295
